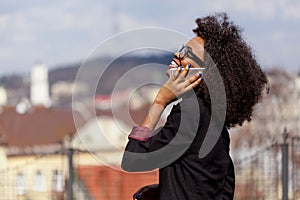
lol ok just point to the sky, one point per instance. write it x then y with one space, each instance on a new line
59 32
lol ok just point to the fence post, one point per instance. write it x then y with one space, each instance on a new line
285 165
71 174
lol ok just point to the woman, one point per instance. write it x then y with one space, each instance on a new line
175 148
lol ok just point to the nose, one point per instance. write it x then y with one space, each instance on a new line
177 56
176 59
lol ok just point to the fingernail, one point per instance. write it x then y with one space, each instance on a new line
200 74
138 195
188 65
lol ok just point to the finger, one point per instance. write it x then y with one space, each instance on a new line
192 79
186 70
193 85
178 70
183 73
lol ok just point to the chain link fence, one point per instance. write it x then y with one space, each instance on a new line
259 176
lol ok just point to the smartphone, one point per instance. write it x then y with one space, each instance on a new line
191 72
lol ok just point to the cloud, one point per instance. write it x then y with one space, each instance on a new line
290 10
5 53
264 10
128 22
4 21
260 9
65 31
18 38
278 36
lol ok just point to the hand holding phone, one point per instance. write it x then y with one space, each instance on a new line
191 72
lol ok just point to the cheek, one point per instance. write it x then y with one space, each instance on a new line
185 62
193 64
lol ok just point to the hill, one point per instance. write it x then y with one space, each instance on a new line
99 69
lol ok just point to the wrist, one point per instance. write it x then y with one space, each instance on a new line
153 115
160 102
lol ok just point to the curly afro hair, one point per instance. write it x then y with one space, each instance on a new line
243 79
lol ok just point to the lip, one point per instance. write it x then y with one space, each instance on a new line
173 64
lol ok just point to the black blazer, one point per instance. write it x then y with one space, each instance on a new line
174 149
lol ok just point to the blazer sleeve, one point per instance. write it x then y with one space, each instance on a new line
147 151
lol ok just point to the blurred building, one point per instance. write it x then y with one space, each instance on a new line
39 85
256 146
32 143
63 91
34 160
3 96
297 83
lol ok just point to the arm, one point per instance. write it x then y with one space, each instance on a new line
173 139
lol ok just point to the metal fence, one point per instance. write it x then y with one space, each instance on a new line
272 172
66 175
295 159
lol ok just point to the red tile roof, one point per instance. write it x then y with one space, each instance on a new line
37 127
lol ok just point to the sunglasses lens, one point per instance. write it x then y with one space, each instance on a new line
182 52
180 48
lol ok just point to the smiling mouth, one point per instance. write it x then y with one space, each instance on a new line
173 64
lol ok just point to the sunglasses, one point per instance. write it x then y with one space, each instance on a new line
187 52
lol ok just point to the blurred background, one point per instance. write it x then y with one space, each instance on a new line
44 154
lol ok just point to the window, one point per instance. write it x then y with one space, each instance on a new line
20 184
39 182
58 181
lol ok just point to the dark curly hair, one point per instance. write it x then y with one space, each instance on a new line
243 77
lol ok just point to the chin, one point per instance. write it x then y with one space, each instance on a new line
168 72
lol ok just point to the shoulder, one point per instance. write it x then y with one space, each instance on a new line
191 104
